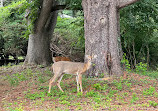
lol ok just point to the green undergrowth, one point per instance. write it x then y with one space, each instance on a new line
97 95
153 74
101 94
28 74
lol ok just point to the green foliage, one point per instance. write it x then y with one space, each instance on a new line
153 103
36 95
15 78
24 75
56 93
100 87
111 93
13 81
100 95
149 91
97 99
129 85
7 10
28 72
48 72
19 108
139 32
12 29
79 94
97 86
71 29
65 102
70 35
41 78
91 93
134 98
7 2
126 63
141 68
34 8
118 84
74 4
153 74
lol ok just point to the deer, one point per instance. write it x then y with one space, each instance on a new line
59 58
74 68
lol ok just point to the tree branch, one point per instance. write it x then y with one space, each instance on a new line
63 7
124 3
44 15
58 7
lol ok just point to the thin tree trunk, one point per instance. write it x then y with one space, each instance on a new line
148 57
134 54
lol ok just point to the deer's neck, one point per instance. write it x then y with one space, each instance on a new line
86 66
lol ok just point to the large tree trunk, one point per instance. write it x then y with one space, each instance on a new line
39 42
38 49
101 34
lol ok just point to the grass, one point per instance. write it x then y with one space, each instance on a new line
150 91
134 98
137 91
153 74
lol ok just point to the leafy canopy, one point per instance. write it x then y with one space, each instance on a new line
12 28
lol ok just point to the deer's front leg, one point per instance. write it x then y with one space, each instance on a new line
52 81
80 81
77 83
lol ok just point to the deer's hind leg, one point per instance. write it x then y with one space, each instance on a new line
58 82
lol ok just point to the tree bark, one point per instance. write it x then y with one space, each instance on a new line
148 56
39 42
124 3
38 49
134 54
101 35
119 36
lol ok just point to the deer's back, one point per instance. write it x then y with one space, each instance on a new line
67 67
56 59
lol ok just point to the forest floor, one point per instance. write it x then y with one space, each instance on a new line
25 89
